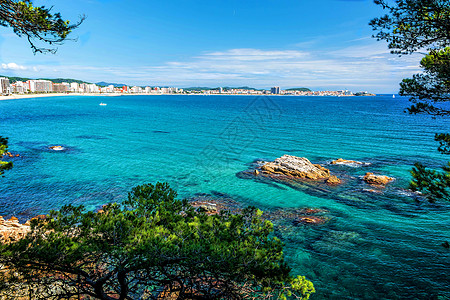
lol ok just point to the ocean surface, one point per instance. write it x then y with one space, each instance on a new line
376 245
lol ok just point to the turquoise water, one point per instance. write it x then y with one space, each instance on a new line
385 246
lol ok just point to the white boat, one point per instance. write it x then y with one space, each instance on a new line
103 104
393 96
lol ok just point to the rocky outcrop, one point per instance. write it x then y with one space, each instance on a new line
371 178
297 167
341 161
9 154
11 230
333 180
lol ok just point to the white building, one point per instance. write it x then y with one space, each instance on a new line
148 90
40 86
136 90
92 88
75 87
5 88
169 90
19 87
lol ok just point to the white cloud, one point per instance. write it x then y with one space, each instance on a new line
254 55
12 66
363 67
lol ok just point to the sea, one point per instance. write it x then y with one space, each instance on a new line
376 243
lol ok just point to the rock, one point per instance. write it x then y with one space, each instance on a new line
297 167
256 172
38 217
333 180
304 216
341 161
56 148
208 208
311 220
371 178
14 220
12 230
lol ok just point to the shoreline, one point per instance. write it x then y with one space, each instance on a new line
27 96
30 96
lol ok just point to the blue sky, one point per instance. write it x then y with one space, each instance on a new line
289 43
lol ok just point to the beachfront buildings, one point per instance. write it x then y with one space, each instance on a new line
4 86
40 86
61 87
47 86
136 90
19 87
275 90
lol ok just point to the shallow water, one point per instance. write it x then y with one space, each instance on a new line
385 246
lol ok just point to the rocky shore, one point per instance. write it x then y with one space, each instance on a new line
11 230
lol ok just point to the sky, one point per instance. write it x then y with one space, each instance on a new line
322 45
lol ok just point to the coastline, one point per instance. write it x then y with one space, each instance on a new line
26 96
29 96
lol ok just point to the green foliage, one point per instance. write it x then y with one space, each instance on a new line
151 245
444 142
434 184
13 79
411 25
432 87
35 23
4 165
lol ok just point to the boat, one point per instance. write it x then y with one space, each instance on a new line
103 104
393 96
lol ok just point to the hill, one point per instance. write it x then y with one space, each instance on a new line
201 88
302 89
103 83
13 79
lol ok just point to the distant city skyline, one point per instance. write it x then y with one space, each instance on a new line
324 45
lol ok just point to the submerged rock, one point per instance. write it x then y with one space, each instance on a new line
446 245
214 204
10 155
371 178
341 161
304 216
335 242
311 220
297 167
